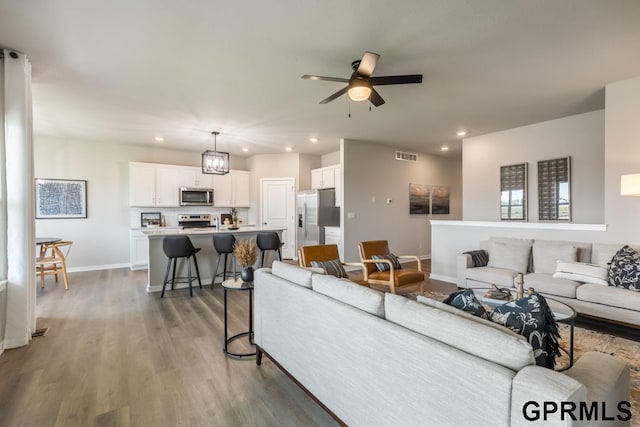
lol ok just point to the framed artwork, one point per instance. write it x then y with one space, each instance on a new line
150 219
61 198
554 189
440 200
418 199
513 192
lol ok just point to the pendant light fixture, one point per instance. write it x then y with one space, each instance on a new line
215 162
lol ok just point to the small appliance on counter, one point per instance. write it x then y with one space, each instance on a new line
197 221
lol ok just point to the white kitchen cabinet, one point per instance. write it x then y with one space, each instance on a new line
333 236
153 185
232 189
338 184
138 250
192 177
323 177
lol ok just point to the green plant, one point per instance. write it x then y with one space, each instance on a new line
234 215
246 252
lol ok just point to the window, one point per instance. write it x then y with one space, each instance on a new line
554 189
513 192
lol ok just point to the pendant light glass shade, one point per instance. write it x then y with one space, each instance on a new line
215 162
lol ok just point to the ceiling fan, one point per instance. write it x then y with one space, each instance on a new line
360 84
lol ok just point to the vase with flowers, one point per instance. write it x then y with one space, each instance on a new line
246 252
234 217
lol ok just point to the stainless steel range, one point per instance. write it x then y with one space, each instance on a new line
196 221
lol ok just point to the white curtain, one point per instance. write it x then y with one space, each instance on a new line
17 235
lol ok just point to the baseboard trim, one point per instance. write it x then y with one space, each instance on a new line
443 278
97 267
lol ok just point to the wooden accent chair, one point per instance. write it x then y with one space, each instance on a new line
306 254
393 277
53 260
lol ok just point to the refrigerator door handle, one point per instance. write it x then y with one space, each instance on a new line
304 219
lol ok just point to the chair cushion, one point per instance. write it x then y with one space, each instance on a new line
459 332
402 277
373 247
383 266
333 268
346 291
582 272
609 295
512 256
547 284
624 271
492 276
546 256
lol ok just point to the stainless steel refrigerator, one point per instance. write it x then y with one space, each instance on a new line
315 209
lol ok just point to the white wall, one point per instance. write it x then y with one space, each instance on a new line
102 239
371 175
330 159
580 136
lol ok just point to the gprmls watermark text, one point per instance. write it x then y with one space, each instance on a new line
576 411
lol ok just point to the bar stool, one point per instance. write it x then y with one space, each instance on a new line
224 244
268 241
175 247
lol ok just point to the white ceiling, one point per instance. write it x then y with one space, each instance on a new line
126 71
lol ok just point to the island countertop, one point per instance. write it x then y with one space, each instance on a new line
201 238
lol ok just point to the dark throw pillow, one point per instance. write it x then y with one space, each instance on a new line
333 267
383 266
466 300
624 271
532 318
480 257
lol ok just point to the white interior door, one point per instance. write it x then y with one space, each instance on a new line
277 209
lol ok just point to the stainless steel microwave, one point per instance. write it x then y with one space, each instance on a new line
196 196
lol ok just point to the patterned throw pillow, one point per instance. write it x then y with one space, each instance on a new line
466 300
383 266
532 318
333 267
624 271
480 258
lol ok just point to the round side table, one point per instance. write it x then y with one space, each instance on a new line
238 285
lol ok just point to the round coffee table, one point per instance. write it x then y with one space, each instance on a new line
238 285
562 313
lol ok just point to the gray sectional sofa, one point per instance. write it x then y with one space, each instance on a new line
375 359
538 260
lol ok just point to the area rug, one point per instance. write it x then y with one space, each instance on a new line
587 340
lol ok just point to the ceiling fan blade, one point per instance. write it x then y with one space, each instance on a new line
375 98
367 64
396 80
335 95
329 79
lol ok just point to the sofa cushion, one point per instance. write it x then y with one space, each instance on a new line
584 248
333 267
492 276
449 309
464 334
546 256
602 253
624 271
344 290
293 273
512 256
609 295
582 272
547 284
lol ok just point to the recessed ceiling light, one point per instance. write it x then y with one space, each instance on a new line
288 149
245 149
313 140
444 148
159 139
461 133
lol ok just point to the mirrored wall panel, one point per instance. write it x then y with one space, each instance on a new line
554 189
513 192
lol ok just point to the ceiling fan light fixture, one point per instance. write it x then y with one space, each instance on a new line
215 162
359 90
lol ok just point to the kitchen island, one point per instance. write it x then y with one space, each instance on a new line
201 238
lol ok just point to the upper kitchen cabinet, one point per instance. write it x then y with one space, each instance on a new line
232 189
153 185
192 177
327 177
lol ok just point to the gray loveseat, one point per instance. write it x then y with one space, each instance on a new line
538 260
377 359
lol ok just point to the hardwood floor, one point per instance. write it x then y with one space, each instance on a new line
117 356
